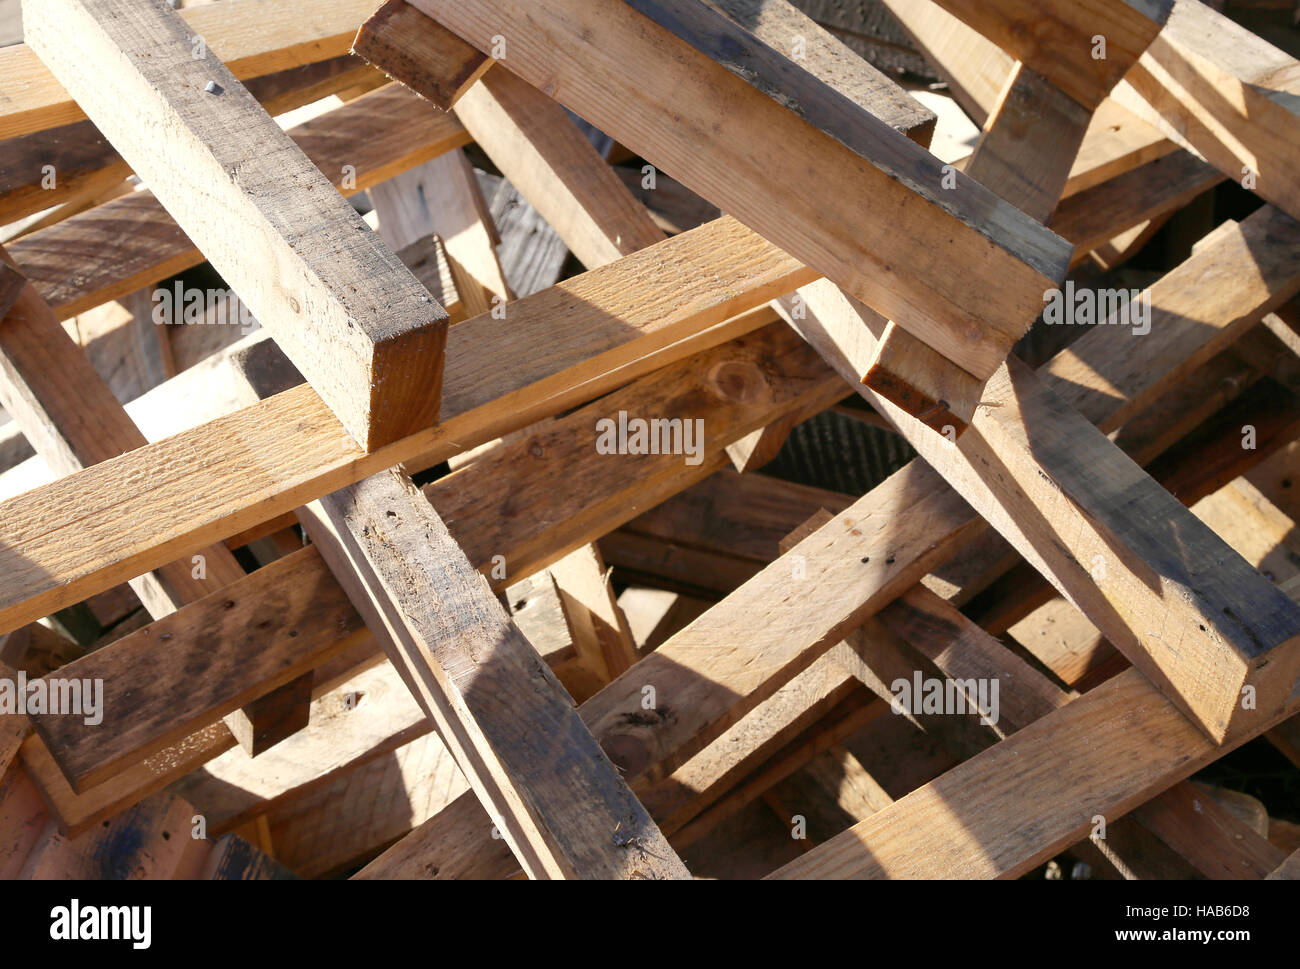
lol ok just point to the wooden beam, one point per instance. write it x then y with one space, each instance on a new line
253 38
1024 155
617 330
502 714
137 243
1058 39
536 145
374 344
73 420
1216 87
1008 809
191 682
631 79
1188 612
86 166
411 48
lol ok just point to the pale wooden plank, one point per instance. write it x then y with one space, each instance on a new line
222 167
626 78
253 38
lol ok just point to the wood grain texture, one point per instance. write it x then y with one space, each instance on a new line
559 802
411 48
777 24
1214 86
616 329
976 829
1056 39
115 249
638 72
255 635
536 145
354 319
252 37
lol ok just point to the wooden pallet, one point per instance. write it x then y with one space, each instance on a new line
338 577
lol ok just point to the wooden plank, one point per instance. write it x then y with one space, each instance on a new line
234 859
559 802
615 332
777 23
591 76
1093 217
191 682
1057 39
536 145
1190 614
441 197
74 421
117 248
1024 155
1104 393
374 346
411 48
253 38
1010 808
1216 87
600 632
85 164
151 840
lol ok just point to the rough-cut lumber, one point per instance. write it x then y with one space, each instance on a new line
264 630
616 328
1057 38
441 197
86 165
1216 87
1187 611
411 48
558 801
784 28
666 100
1024 155
1011 807
73 420
350 315
117 248
253 38
536 145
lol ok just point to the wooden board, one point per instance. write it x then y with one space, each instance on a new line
252 37
482 399
625 77
234 180
411 48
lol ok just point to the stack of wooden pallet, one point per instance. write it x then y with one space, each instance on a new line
386 408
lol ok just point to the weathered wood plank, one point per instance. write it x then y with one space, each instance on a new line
238 184
634 82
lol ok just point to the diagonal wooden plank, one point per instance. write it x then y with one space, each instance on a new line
356 321
666 100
